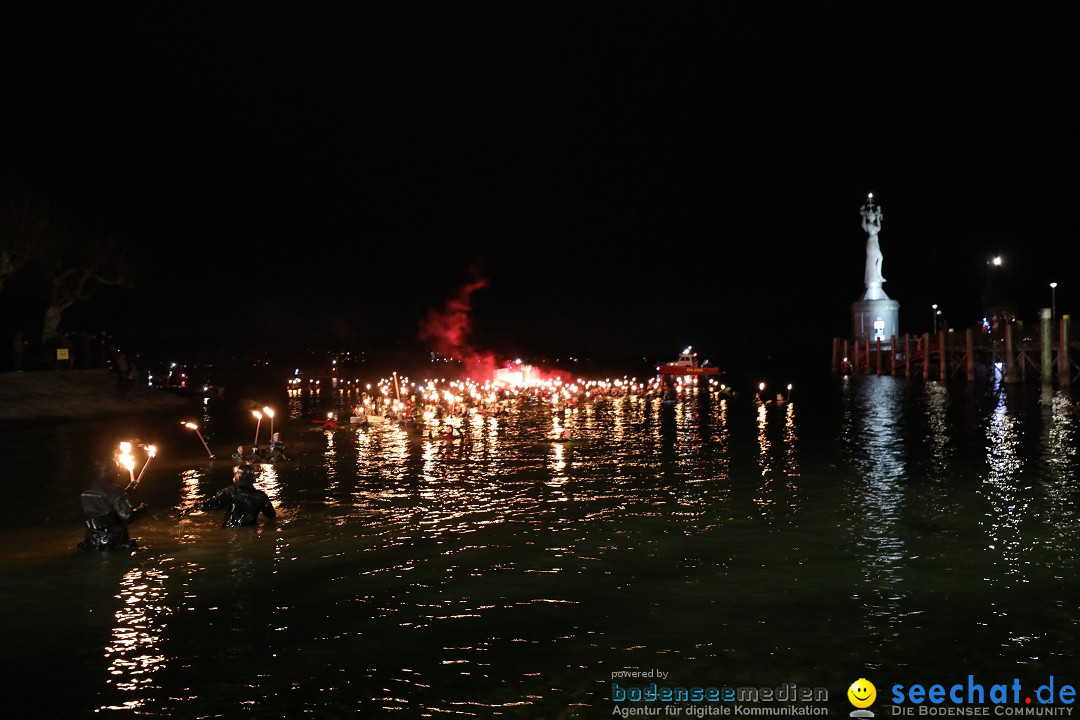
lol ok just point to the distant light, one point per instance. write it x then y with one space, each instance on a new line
997 260
1053 285
761 386
789 386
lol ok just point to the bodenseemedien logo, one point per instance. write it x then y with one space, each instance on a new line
862 695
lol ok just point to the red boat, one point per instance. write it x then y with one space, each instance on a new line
687 364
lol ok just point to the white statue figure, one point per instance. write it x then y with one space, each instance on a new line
871 223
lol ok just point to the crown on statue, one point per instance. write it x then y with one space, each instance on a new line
869 210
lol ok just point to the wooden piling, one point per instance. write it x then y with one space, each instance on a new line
1046 349
1064 366
836 356
1010 360
969 346
907 355
943 356
926 356
1010 357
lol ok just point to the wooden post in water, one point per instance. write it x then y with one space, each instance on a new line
892 355
845 350
855 357
907 355
1064 366
836 356
1046 349
867 354
926 356
1045 344
877 342
1010 372
969 344
943 356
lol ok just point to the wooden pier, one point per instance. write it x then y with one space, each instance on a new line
1018 356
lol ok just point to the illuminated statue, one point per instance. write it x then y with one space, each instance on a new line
871 223
874 315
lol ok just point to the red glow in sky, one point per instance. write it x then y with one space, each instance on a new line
447 331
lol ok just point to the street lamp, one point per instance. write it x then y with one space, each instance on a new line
1053 300
935 314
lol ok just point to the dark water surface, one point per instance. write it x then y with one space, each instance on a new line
899 531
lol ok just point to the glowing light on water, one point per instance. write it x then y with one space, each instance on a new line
135 651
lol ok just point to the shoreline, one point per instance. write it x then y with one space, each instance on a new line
49 396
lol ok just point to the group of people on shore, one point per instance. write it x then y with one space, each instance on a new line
108 509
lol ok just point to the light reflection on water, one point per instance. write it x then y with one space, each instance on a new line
1006 498
135 652
872 432
718 540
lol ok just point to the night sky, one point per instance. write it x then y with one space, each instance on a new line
627 180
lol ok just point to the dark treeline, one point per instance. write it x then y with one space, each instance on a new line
52 263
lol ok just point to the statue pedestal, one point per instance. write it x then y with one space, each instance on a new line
875 315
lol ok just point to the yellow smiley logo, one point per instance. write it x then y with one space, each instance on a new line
862 693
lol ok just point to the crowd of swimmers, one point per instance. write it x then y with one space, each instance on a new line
439 415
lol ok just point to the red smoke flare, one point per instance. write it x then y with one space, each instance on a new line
447 331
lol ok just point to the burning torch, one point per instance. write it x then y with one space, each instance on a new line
127 460
258 423
151 451
193 426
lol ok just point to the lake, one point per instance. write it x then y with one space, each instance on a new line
900 531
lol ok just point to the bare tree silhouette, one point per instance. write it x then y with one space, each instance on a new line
26 220
77 262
